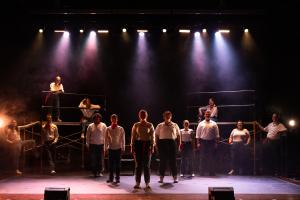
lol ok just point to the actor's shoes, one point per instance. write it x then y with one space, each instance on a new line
18 172
137 186
147 187
231 172
161 179
175 179
53 172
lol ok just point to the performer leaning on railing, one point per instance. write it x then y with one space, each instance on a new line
271 145
56 88
87 109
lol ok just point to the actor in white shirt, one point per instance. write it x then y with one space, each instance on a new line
95 140
166 134
114 144
207 135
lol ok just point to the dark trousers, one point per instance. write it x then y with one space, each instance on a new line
142 159
16 149
207 156
167 151
96 154
271 156
114 158
238 156
49 148
186 166
54 102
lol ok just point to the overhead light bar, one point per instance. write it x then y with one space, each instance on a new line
142 30
224 31
184 31
102 31
59 31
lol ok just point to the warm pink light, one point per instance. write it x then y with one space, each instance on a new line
1 123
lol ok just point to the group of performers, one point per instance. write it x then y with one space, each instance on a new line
166 139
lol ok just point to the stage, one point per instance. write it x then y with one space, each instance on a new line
83 186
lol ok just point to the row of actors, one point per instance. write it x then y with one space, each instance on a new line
166 138
87 108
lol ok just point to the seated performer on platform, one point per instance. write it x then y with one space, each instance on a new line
87 109
271 145
186 148
238 139
16 144
56 88
142 147
115 145
49 139
207 135
166 134
95 140
212 108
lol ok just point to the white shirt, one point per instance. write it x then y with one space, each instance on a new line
115 138
238 135
213 110
167 131
88 112
273 130
207 130
95 134
13 135
56 88
186 135
49 132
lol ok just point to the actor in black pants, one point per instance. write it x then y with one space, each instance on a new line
166 134
142 141
207 135
114 143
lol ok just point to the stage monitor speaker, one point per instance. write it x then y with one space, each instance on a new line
220 193
52 193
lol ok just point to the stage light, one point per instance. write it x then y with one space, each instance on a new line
184 31
124 30
292 123
81 30
92 33
103 31
204 30
197 34
142 31
66 34
246 30
41 30
164 30
1 123
59 31
224 31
